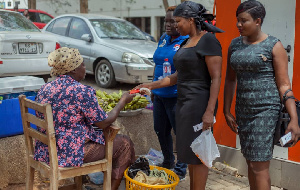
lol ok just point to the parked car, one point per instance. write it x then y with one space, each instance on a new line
149 36
38 17
114 50
24 49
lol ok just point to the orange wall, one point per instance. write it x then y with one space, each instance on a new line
294 153
226 20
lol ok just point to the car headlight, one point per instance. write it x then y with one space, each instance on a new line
131 58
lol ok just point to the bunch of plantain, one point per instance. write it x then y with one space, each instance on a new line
109 101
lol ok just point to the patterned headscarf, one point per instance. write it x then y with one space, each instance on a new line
189 9
64 60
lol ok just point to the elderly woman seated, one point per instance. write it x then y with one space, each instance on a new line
75 112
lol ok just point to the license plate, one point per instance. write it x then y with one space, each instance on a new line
27 48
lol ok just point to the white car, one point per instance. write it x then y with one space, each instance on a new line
113 49
24 49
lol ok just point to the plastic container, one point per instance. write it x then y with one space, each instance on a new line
9 85
10 114
134 185
166 68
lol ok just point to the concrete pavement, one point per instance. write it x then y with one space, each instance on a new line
217 180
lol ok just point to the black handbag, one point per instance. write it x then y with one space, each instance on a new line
284 119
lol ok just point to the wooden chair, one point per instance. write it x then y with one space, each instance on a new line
52 171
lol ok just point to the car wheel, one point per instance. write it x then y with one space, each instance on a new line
104 75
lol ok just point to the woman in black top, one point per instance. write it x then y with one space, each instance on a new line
198 63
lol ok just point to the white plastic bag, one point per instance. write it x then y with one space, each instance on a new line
205 148
154 157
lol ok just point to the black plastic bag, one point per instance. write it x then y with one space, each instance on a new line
141 164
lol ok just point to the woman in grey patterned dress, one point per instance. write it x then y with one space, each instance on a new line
258 66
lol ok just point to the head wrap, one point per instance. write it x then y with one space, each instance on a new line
189 9
64 60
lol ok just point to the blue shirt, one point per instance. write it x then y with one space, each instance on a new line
166 49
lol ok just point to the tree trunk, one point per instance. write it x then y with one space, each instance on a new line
32 4
166 4
84 6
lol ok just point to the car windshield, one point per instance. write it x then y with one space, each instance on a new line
117 29
12 21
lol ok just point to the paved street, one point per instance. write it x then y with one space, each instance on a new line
219 181
216 181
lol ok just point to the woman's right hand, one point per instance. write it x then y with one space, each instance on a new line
144 85
231 122
126 97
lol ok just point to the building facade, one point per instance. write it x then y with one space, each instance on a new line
10 4
145 14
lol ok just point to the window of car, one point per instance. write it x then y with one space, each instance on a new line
110 28
78 27
50 26
12 21
61 25
45 18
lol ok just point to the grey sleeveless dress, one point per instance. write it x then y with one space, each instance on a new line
257 100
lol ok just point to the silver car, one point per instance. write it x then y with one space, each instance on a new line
113 49
24 49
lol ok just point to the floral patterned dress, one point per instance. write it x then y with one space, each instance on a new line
75 108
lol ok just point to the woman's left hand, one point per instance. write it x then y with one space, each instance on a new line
294 129
208 120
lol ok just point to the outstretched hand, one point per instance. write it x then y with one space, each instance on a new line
145 91
144 85
126 97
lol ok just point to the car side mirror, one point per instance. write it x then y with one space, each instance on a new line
86 37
